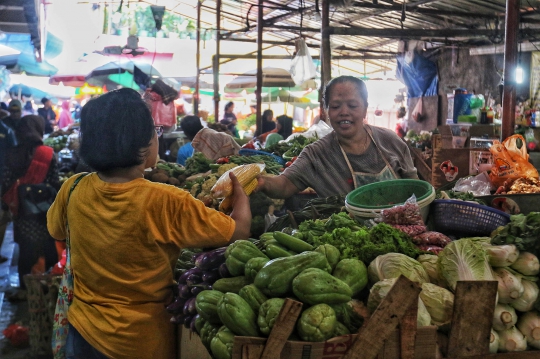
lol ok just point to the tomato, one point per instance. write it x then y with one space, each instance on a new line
222 160
294 158
288 163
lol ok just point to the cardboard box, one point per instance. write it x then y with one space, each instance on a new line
448 165
190 345
428 345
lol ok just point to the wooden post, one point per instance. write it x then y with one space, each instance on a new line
282 329
258 91
510 63
326 53
472 319
385 319
196 97
216 59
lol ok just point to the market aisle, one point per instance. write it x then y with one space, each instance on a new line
11 312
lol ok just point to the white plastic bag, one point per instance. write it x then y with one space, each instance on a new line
302 67
478 185
320 130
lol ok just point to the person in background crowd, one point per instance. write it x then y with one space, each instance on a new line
48 114
352 155
65 116
229 118
211 143
28 109
7 140
37 250
401 124
15 114
268 123
125 270
284 126
190 125
3 106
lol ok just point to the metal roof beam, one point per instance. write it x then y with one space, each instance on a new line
420 10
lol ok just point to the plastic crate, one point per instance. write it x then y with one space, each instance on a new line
466 219
248 152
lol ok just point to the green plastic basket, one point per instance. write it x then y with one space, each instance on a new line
389 193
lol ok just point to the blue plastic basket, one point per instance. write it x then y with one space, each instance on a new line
248 152
466 219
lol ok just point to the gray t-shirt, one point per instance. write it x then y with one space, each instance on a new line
322 167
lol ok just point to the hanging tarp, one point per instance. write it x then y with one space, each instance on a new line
418 74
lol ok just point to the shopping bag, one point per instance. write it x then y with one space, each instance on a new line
510 161
60 321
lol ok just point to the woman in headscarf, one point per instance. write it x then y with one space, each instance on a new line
37 250
65 116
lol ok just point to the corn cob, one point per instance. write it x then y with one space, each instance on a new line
226 205
245 174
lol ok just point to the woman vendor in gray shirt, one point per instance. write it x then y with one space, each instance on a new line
352 155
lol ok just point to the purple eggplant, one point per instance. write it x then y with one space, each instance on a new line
183 278
192 326
196 255
189 307
177 306
194 279
187 321
200 287
178 319
210 276
224 271
211 260
184 291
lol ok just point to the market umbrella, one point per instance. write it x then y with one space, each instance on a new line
8 56
139 73
272 77
21 90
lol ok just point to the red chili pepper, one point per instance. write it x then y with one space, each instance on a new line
294 158
222 160
288 163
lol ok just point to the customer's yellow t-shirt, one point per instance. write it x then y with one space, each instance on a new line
125 240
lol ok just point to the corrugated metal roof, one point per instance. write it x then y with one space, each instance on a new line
481 23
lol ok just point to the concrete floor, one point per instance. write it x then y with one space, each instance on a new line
11 312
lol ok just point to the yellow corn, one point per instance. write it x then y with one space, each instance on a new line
245 175
250 187
226 205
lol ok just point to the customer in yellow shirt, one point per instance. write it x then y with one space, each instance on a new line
126 234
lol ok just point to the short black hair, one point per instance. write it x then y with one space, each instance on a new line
44 100
116 130
228 105
266 113
191 125
360 86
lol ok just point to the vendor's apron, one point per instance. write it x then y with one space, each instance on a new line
363 178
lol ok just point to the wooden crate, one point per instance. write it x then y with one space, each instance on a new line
428 345
190 345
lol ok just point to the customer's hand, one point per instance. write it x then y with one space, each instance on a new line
241 212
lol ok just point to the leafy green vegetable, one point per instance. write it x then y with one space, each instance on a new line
392 265
523 231
464 259
197 163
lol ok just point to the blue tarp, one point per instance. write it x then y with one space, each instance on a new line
27 61
419 75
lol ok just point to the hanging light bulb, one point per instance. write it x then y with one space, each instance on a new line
519 69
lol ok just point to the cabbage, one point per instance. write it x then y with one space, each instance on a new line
429 262
529 325
392 265
526 264
504 317
510 287
501 256
512 340
493 342
525 302
381 289
464 259
439 303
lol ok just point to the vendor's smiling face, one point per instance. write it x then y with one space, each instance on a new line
346 109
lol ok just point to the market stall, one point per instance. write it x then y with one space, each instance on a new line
338 258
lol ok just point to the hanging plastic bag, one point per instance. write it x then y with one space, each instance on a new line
510 161
418 111
302 67
163 114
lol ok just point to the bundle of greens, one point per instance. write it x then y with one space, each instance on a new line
523 231
198 163
354 241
